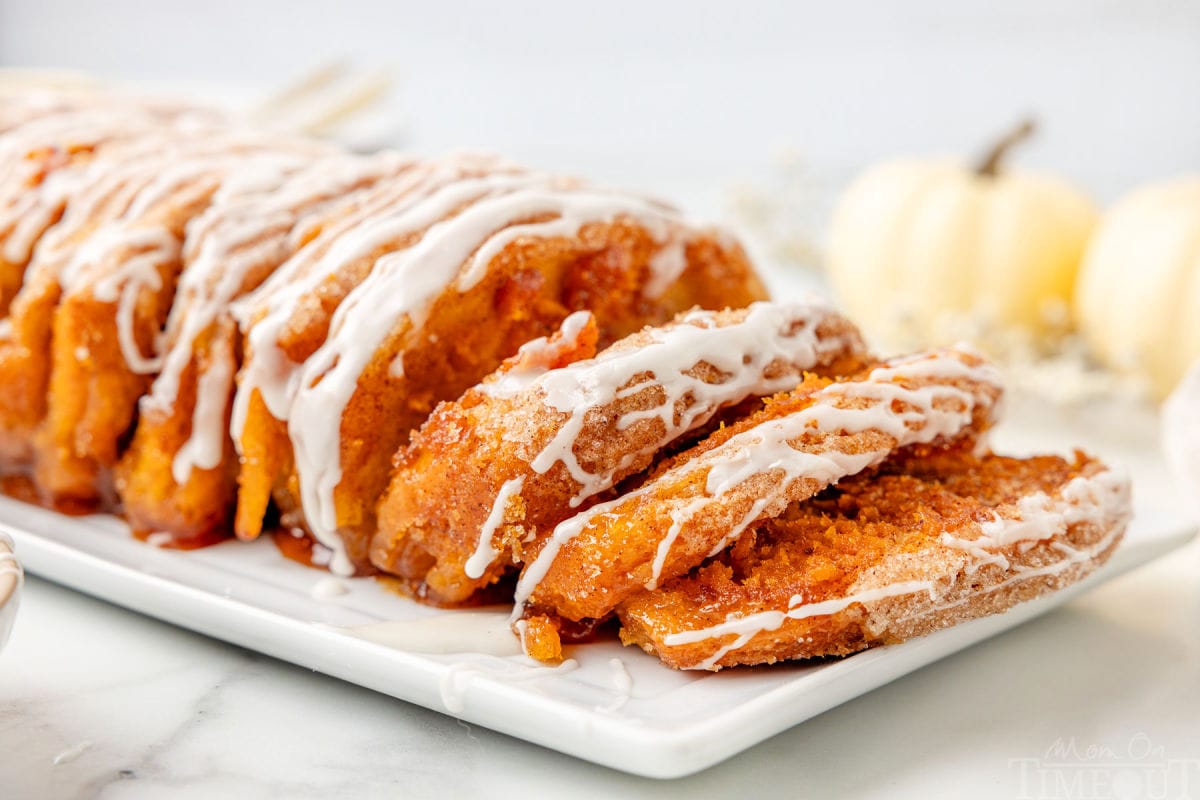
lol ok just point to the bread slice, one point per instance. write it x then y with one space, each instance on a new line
926 543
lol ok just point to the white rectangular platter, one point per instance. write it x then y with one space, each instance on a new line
608 704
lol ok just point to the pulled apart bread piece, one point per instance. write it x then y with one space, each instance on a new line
922 545
491 474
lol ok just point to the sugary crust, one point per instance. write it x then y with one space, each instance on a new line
888 557
788 451
491 472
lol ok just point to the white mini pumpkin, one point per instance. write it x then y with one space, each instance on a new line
1138 298
913 242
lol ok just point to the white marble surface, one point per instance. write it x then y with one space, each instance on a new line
131 708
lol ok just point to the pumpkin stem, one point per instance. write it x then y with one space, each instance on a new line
989 166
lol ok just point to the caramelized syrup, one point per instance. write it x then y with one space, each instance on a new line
22 487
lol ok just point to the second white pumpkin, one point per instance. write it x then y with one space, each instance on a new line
1138 300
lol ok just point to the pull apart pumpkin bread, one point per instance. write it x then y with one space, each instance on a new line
458 371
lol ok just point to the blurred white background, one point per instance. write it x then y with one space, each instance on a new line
705 92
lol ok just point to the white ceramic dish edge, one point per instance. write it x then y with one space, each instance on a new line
661 751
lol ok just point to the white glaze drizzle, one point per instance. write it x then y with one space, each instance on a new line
771 334
118 139
263 314
533 356
454 682
205 444
428 196
666 267
521 628
238 232
459 221
302 273
679 517
122 255
27 208
1038 517
745 628
909 415
486 552
1071 557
